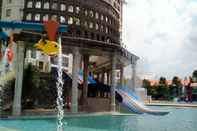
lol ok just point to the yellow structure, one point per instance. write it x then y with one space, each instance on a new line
48 47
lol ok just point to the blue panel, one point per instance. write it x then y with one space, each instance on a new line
28 26
3 35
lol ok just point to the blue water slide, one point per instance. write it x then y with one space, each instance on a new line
133 103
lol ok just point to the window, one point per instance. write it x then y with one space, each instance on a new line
77 9
86 24
96 26
102 27
8 12
46 5
108 40
70 9
62 7
38 4
106 18
78 32
70 20
92 35
62 19
106 30
102 17
29 4
37 17
86 13
103 38
96 15
28 17
86 34
54 6
91 13
54 17
77 21
91 25
45 17
98 37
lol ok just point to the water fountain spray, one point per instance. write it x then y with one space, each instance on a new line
59 84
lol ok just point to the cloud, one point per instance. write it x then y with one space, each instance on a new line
164 33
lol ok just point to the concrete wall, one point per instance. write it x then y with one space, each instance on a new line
98 104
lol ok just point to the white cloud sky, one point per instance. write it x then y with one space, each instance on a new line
163 33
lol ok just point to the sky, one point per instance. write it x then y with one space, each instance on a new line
163 33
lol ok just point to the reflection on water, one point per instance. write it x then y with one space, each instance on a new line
183 119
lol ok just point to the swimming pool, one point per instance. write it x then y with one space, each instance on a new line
180 119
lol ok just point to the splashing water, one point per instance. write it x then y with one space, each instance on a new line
59 84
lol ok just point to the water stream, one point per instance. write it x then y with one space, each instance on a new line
59 84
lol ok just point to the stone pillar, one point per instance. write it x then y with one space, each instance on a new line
75 71
113 82
133 66
121 76
85 79
19 79
108 78
103 76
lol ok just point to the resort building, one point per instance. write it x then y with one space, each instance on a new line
92 42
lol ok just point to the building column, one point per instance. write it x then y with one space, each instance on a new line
122 75
113 82
108 78
103 76
75 72
133 66
85 79
19 79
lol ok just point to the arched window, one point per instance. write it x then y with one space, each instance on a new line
54 6
98 37
102 17
45 17
86 12
91 25
38 4
70 20
62 7
96 26
106 19
62 19
28 16
92 35
46 5
77 9
96 15
102 28
37 17
54 17
86 24
108 40
91 13
29 4
86 34
103 38
77 21
70 9
106 30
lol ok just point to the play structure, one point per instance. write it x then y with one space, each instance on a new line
126 98
47 44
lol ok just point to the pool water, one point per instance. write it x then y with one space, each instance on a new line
180 119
